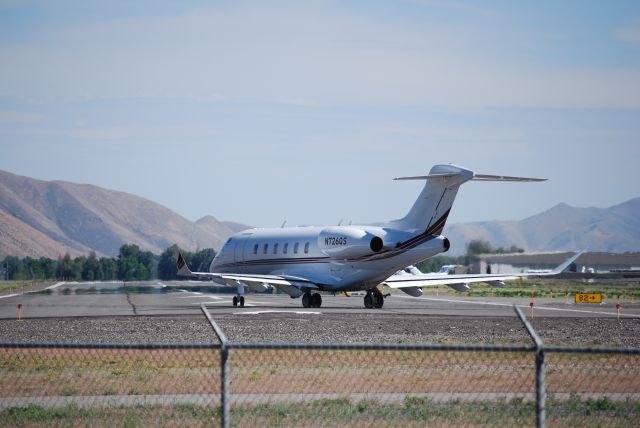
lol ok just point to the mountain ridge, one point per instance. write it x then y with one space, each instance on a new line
560 228
51 218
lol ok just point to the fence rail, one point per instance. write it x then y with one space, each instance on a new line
301 384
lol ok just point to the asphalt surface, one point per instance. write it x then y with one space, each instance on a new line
101 299
157 312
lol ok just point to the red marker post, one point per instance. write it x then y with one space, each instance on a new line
19 311
532 302
618 310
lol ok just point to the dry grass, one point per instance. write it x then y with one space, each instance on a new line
51 372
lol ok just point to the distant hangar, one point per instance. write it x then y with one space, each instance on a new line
589 262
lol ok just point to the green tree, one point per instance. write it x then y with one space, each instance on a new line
198 261
135 265
479 246
167 269
63 271
434 264
109 268
14 267
91 269
201 260
75 268
48 267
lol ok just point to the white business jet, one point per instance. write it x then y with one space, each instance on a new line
300 261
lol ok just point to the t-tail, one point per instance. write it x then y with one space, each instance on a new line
430 211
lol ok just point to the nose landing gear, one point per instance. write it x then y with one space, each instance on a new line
373 299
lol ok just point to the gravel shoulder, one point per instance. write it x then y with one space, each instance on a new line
325 328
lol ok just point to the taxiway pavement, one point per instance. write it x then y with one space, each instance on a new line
103 299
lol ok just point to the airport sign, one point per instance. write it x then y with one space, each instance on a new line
588 297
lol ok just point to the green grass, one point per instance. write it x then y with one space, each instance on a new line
136 416
12 286
553 288
18 286
415 411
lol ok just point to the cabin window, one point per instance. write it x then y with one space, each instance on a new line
306 248
295 248
275 248
285 247
265 249
255 249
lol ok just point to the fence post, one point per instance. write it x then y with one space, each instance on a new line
224 385
224 369
541 393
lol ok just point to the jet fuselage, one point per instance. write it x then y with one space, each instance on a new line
336 258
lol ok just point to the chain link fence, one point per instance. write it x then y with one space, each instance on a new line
268 384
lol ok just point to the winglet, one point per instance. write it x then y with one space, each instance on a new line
562 266
183 269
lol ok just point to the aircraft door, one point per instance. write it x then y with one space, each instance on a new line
240 242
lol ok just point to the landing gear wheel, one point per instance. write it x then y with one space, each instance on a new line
242 301
235 300
316 300
378 298
368 300
306 300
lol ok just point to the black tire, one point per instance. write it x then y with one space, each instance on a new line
368 301
235 300
306 300
316 300
378 298
242 301
378 301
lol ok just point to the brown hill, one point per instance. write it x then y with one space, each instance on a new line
40 218
562 228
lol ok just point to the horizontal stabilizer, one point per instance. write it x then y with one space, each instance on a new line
427 177
487 177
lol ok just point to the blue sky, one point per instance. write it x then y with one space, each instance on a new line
304 111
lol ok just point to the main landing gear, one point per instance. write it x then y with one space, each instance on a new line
311 300
238 299
373 299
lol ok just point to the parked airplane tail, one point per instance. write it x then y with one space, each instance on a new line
430 211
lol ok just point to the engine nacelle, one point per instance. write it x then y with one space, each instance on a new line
344 242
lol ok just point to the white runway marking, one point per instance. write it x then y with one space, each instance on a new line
199 297
544 308
229 302
51 287
277 312
8 295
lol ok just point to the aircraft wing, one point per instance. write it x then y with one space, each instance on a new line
291 285
428 280
460 282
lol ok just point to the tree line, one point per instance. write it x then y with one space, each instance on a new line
131 264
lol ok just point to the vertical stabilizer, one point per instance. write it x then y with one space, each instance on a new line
429 212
